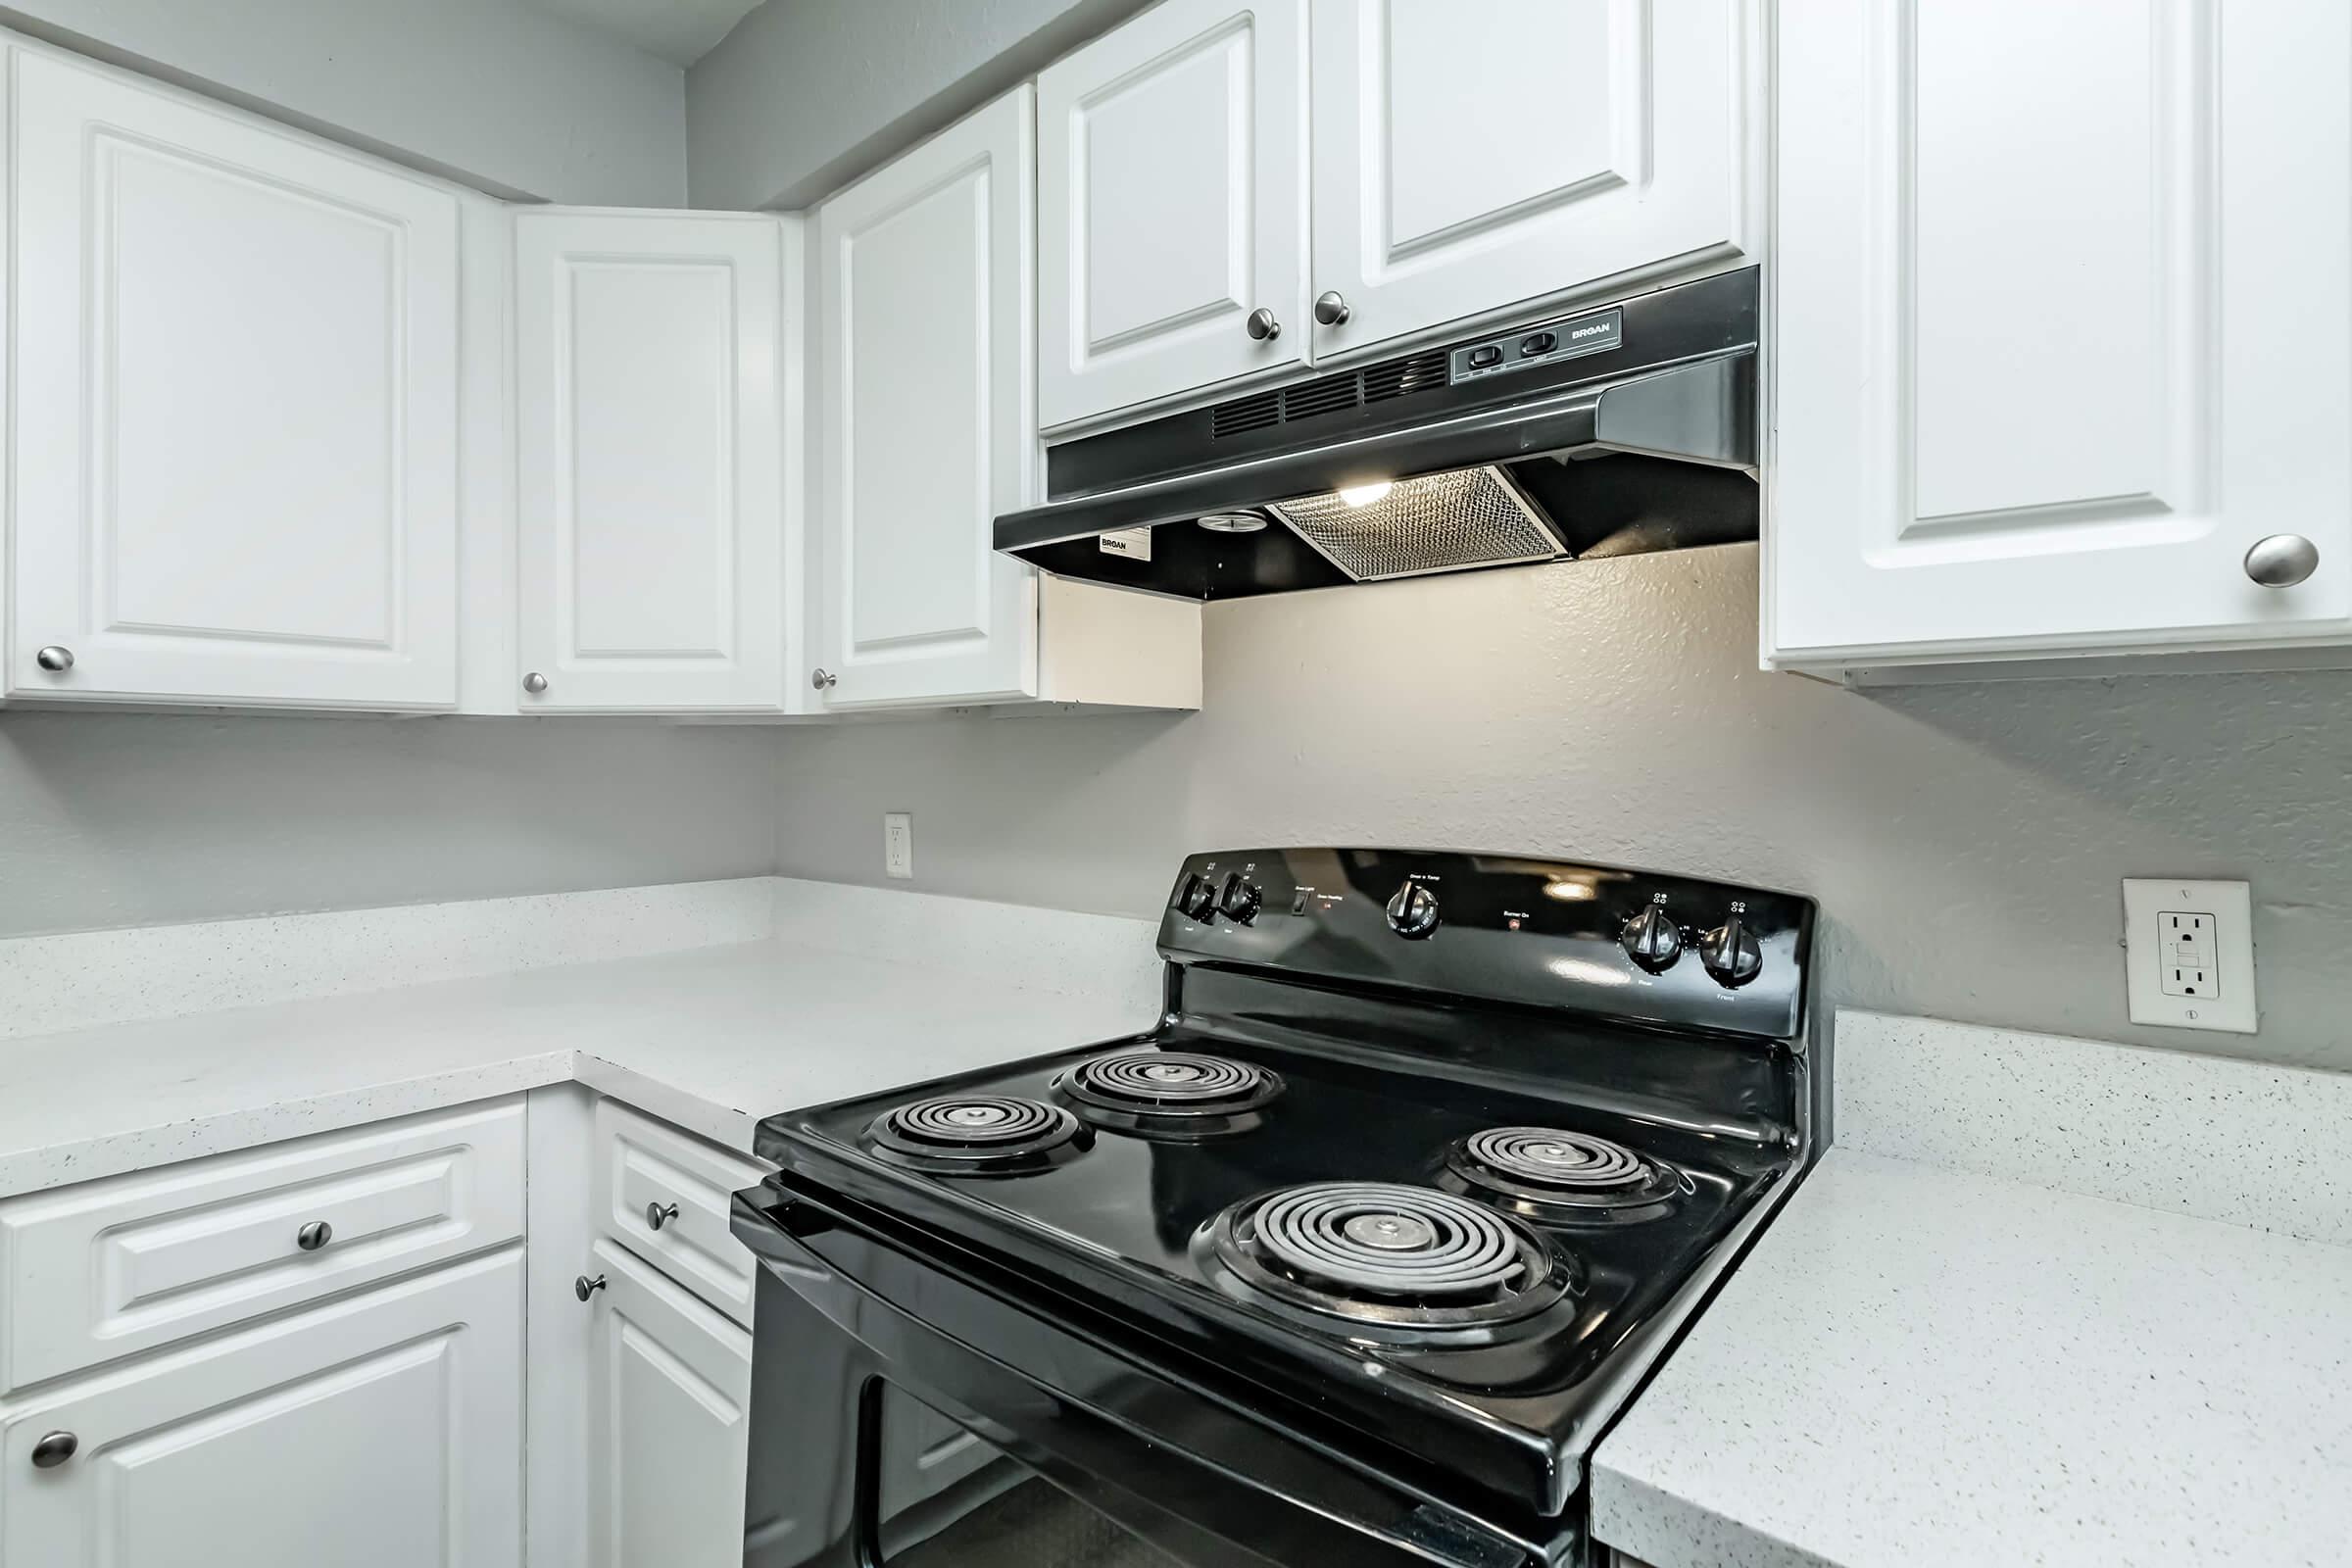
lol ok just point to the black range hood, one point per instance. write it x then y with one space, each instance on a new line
1611 431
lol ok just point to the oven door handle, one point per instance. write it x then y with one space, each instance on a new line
1203 1480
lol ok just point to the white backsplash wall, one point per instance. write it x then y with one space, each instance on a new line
1966 842
118 819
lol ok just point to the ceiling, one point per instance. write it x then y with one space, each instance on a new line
681 32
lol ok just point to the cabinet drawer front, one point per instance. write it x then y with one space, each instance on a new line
641 1163
380 1430
120 1265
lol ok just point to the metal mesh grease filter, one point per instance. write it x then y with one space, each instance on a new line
1438 522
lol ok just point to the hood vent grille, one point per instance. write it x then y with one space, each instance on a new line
1240 415
1329 394
1398 379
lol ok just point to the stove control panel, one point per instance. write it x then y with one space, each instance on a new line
1636 946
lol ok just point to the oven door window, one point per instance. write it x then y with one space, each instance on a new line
944 1496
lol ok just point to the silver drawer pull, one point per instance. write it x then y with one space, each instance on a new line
312 1237
584 1287
657 1215
54 1448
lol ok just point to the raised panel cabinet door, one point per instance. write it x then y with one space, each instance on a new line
1472 154
650 428
668 1431
236 426
1172 205
929 421
2052 358
384 1431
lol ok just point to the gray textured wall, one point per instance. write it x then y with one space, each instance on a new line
488 91
805 95
111 819
1966 842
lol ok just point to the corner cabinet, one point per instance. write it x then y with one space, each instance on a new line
2045 375
235 425
293 428
654 352
928 430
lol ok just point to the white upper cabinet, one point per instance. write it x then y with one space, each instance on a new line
235 408
2061 326
1472 154
1172 205
649 422
928 425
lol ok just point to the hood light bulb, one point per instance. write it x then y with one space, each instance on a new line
1363 495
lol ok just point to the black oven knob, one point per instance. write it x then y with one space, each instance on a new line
1652 939
1413 911
1730 953
1197 898
1240 900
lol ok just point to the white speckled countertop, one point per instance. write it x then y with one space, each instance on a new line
709 1037
1926 1365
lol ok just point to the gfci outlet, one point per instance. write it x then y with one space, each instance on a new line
897 843
2188 954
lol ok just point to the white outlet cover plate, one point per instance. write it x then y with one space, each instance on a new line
898 844
2146 900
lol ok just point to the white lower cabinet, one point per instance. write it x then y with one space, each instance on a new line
668 1425
383 1431
320 1351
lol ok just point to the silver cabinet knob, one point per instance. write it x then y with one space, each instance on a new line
312 1237
1262 326
657 1215
55 659
54 1448
1331 308
584 1287
535 683
822 679
2281 561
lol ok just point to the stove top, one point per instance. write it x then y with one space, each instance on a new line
1439 1199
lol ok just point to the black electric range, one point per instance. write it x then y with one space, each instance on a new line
1356 1251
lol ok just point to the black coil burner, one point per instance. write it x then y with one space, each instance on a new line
1554 1174
977 1135
1411 1261
1169 1092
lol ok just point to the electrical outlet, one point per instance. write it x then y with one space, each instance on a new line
898 844
2188 959
2184 963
